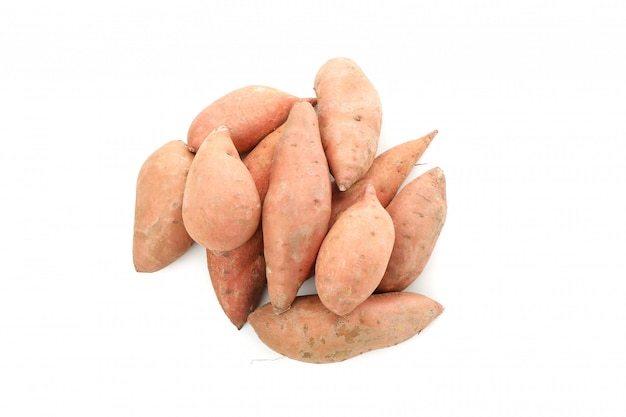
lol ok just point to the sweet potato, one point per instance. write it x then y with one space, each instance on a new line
309 332
354 254
159 235
250 112
296 209
388 171
221 205
350 119
238 276
418 213
259 160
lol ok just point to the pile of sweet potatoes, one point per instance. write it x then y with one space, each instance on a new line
280 189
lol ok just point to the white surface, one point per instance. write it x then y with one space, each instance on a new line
530 104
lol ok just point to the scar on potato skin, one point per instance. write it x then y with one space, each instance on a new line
349 335
339 354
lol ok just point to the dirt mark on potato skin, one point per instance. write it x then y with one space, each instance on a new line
339 355
349 335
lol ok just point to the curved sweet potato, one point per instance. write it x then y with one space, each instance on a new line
221 205
159 235
350 119
354 254
250 112
309 332
418 213
296 209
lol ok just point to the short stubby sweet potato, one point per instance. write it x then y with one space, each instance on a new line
238 276
309 332
159 235
250 112
350 119
354 254
296 209
418 213
221 205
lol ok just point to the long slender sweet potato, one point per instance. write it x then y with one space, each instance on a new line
221 205
296 209
159 235
354 254
309 332
250 112
350 119
418 213
388 171
238 276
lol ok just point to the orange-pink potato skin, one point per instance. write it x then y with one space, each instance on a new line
159 235
238 276
296 209
309 332
250 112
418 213
354 254
259 160
221 205
350 119
387 173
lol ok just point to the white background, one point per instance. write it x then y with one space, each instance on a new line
530 103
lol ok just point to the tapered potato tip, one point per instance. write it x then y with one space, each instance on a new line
281 310
431 136
370 192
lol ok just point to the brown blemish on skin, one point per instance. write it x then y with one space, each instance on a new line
339 355
349 334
